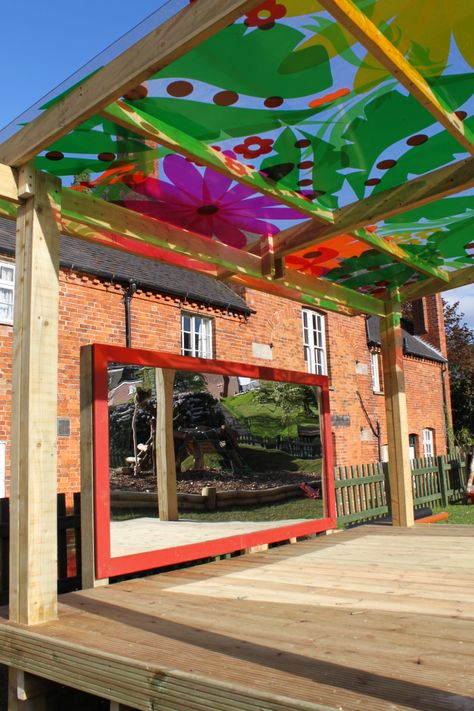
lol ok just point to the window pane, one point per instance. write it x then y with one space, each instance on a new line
375 372
186 343
314 341
7 273
6 296
428 450
7 276
196 336
6 313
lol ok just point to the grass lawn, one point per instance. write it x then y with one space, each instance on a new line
459 513
263 420
280 511
274 460
296 508
261 460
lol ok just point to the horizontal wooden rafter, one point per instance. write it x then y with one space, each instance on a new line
8 185
426 287
154 129
124 244
420 191
361 27
87 210
84 215
166 43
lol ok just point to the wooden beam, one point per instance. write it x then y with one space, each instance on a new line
98 221
420 191
33 540
82 209
8 185
381 244
171 40
438 184
401 493
87 471
426 287
154 129
273 267
361 27
165 460
87 468
310 291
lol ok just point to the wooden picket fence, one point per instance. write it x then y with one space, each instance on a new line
362 491
69 546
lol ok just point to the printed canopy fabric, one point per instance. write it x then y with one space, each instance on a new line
289 93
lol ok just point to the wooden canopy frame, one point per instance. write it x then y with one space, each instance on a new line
44 210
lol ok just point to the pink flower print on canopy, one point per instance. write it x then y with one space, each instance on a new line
207 203
254 146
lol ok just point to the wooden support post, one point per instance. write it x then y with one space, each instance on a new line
87 470
273 267
87 473
33 513
28 692
401 492
443 480
165 461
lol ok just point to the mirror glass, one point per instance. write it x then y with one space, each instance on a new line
247 456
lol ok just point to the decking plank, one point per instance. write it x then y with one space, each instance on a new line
295 627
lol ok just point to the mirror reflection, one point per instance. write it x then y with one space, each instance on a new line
246 456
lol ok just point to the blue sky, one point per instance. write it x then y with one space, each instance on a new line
45 42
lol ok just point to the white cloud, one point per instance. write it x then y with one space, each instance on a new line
465 296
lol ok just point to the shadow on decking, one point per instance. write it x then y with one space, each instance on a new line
396 691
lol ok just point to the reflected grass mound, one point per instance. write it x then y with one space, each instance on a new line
268 418
282 511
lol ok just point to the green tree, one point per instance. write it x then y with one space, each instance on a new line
291 398
460 342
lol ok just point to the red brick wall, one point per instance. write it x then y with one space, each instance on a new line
92 311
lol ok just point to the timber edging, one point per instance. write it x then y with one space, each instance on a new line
210 499
129 681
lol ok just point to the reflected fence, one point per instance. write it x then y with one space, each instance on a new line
362 494
298 447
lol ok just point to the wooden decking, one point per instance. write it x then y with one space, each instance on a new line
374 618
139 535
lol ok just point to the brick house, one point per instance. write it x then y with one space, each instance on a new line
179 311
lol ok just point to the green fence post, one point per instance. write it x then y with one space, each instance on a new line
388 498
442 480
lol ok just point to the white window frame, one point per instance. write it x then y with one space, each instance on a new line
200 335
314 341
375 366
8 286
428 442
